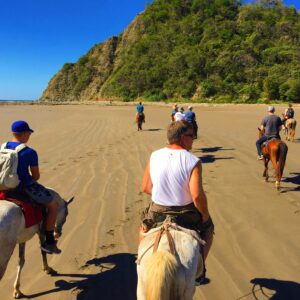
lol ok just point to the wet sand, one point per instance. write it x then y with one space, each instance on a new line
95 153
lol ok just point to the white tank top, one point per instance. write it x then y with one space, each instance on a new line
170 172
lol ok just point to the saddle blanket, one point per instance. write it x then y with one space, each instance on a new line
32 214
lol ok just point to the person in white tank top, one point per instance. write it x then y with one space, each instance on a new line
173 177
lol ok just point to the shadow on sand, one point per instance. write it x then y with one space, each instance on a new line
117 279
283 290
152 129
212 149
209 158
295 180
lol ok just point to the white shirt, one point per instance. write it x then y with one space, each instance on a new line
170 172
179 116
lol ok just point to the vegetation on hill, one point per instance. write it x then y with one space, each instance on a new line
201 50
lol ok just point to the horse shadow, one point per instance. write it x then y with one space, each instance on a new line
210 158
153 129
296 140
117 279
295 180
283 289
206 159
212 149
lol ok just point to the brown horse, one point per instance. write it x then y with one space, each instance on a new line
140 119
276 151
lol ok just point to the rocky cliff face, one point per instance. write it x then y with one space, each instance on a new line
85 79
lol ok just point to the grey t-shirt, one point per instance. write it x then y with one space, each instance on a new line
272 124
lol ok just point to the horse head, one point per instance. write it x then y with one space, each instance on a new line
61 216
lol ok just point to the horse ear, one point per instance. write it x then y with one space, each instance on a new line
70 200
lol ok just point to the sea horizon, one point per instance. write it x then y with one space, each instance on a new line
18 100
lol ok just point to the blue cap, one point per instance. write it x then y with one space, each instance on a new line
20 126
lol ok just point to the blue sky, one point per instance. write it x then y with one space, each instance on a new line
38 37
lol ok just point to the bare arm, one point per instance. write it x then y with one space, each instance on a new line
197 192
35 173
147 182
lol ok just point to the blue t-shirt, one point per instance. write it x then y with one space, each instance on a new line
140 108
27 157
272 124
190 117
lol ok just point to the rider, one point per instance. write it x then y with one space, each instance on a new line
288 113
191 118
174 111
28 173
173 176
272 125
140 111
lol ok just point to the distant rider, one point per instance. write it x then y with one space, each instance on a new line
191 118
272 125
288 113
174 111
140 111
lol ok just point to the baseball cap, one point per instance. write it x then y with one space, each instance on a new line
190 107
271 108
20 126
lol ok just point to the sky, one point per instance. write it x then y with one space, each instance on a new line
37 37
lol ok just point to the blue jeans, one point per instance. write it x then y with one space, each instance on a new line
259 142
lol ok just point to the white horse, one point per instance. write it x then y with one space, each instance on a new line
13 231
163 275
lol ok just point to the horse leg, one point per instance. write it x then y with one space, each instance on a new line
266 173
17 293
277 170
46 268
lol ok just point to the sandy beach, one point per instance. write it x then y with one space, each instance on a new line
95 153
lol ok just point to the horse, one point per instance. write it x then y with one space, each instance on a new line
276 151
168 272
140 119
13 231
290 128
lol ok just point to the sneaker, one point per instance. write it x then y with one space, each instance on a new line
201 280
50 248
260 157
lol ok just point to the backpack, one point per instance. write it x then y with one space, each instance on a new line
290 113
9 178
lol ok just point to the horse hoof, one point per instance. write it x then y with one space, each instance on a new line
50 271
18 295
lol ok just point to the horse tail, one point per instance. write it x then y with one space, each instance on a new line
283 149
161 273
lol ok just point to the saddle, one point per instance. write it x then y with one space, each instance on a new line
270 138
33 213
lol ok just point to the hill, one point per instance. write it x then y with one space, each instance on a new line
201 50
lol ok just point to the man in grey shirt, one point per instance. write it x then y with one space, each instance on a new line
272 124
